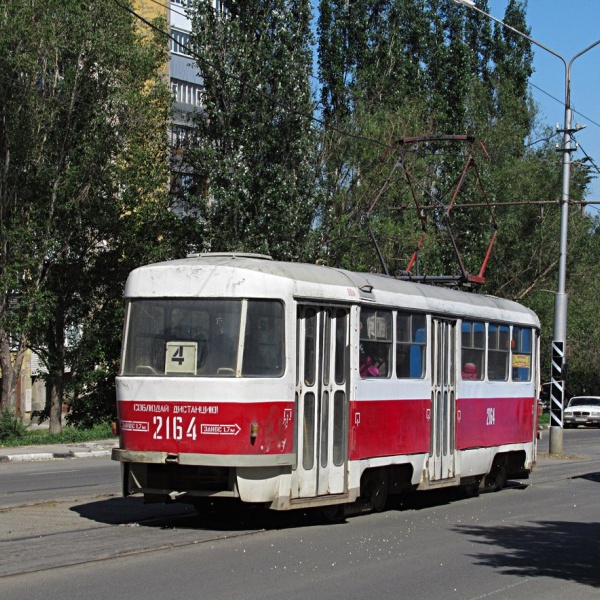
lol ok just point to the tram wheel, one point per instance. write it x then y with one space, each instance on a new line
498 476
469 490
501 478
376 488
334 513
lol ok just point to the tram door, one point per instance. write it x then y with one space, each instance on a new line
443 402
322 400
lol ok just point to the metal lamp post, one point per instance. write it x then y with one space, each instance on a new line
559 342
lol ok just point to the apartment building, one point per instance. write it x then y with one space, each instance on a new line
184 79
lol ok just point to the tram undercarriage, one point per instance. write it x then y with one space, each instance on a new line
168 482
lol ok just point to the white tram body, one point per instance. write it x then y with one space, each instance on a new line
298 385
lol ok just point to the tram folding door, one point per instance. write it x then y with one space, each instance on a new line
443 401
322 392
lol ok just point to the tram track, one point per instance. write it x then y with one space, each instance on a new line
4 572
61 543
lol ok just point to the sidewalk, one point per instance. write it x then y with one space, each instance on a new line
55 451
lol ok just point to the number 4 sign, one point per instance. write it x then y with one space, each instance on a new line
181 357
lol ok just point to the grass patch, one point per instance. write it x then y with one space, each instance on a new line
69 435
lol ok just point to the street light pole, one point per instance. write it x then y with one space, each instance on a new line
559 341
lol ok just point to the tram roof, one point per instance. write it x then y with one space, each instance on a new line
214 274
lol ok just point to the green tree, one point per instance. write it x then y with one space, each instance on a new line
414 62
422 68
253 162
83 180
583 347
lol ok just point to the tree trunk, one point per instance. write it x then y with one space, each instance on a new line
55 339
10 364
54 389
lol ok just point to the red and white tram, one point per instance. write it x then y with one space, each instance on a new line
298 385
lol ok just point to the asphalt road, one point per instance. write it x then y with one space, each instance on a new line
65 532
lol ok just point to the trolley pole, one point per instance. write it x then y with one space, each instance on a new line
559 342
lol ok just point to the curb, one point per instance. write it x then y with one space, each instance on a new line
27 457
40 456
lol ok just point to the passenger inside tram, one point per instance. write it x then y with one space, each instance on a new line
469 371
368 368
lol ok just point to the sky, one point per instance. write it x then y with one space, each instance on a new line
566 27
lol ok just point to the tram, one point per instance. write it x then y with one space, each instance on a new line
297 385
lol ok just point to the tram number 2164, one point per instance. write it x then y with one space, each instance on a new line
174 428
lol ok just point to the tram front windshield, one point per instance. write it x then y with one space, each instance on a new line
204 338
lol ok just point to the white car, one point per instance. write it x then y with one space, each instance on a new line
582 410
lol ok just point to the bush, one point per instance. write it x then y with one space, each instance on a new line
69 435
10 425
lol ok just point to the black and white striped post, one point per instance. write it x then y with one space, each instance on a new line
557 396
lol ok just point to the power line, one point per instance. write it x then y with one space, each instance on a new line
587 156
562 103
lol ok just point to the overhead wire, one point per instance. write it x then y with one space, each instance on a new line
562 102
587 156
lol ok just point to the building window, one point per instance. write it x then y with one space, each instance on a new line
180 42
185 92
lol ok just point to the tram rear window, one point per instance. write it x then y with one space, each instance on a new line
205 338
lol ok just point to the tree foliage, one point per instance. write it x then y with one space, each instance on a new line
253 161
84 111
83 182
398 68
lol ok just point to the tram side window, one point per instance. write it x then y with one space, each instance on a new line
521 345
498 352
411 345
263 347
375 342
473 350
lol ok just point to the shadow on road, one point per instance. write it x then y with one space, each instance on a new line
559 549
595 477
122 511
228 515
220 516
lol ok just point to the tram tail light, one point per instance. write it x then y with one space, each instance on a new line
253 431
